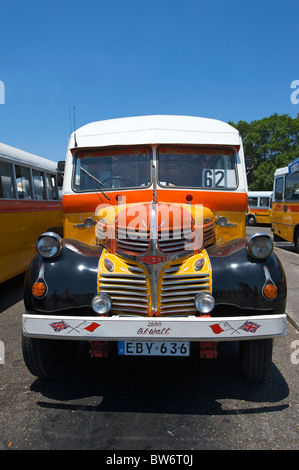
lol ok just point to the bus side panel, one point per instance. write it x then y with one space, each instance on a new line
27 230
10 244
285 219
263 216
46 220
21 224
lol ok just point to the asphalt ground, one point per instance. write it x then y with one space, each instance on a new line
176 405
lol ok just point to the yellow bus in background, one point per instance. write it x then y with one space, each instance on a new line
29 205
285 216
260 205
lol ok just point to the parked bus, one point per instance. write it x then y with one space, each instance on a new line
29 205
260 207
155 259
285 212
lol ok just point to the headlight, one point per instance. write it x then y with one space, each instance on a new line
260 245
49 245
204 302
221 221
101 304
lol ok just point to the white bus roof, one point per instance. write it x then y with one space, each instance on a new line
20 156
281 171
157 129
260 193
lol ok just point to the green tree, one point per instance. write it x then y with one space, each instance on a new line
271 142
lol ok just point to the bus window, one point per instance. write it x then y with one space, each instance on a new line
38 183
23 183
264 202
51 188
55 187
292 187
6 186
252 201
278 189
202 168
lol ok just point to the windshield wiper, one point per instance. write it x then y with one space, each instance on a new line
96 180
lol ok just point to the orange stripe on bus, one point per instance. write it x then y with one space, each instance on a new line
214 200
289 207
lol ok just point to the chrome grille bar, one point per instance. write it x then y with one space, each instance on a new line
128 240
128 292
174 240
178 292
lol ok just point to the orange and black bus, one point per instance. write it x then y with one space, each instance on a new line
154 259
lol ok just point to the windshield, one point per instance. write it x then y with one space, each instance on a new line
292 187
112 168
197 167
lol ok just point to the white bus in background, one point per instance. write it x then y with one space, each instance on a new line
260 207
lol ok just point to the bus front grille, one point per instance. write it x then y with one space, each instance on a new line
128 292
178 293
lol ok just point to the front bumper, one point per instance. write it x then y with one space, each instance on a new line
121 328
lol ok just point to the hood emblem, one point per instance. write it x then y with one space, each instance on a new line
153 259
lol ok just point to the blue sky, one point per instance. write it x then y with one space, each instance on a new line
228 60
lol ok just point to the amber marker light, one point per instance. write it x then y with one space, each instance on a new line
270 291
38 289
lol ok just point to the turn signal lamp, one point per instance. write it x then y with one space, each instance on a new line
270 291
38 289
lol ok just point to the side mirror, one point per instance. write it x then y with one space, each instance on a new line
60 172
60 167
249 169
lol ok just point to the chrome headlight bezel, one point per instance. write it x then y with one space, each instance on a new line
49 245
101 303
204 302
259 246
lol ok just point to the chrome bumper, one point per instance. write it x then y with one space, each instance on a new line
120 328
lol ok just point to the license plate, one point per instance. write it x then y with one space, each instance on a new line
153 348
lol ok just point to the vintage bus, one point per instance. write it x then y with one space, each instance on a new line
285 213
260 207
29 205
154 259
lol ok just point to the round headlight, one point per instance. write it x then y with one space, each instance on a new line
101 303
204 302
89 222
260 245
49 245
221 221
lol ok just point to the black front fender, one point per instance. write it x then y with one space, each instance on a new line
70 279
238 280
